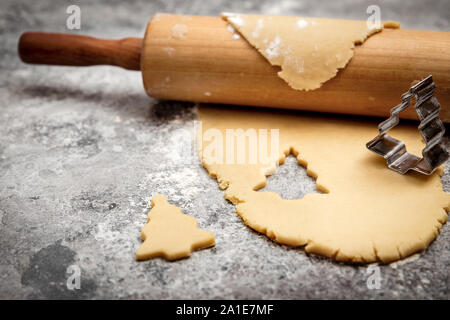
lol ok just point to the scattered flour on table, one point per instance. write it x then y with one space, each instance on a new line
117 148
404 261
176 185
2 214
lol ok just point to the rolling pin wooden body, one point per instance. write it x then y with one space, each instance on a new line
205 63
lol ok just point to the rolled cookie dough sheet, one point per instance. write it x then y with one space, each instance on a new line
365 213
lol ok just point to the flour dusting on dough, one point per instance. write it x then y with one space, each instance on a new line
273 48
258 28
236 20
301 23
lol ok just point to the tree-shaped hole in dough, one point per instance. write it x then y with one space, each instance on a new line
291 180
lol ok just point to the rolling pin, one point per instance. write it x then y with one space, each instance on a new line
207 64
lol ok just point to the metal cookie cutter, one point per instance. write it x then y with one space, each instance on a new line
430 127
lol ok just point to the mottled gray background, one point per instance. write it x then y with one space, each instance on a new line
82 151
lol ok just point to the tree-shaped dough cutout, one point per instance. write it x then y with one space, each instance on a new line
171 234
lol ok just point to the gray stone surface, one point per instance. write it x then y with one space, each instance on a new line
82 151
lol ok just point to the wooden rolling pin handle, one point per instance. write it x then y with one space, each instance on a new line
77 50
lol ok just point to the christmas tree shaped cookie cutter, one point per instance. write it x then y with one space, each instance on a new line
431 128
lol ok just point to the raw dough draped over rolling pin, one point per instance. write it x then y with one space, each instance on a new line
205 59
309 50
